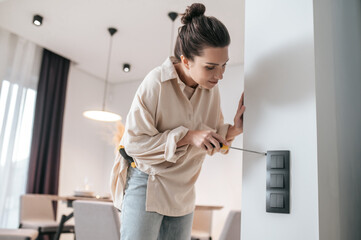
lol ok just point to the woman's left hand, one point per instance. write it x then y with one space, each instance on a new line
238 119
237 128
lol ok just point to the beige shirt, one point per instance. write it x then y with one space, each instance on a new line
161 115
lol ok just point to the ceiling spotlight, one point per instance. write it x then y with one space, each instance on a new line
37 20
126 67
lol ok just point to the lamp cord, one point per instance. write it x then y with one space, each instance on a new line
107 73
171 39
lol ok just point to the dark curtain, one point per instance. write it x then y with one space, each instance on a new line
43 175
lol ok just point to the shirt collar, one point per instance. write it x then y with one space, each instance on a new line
169 72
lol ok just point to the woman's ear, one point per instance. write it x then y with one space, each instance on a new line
185 61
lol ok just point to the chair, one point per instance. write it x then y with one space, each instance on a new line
96 220
18 234
232 227
36 212
202 225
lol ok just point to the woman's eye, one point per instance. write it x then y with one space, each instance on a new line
209 68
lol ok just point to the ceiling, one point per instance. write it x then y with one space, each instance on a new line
77 30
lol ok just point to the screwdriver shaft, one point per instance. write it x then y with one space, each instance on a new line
241 149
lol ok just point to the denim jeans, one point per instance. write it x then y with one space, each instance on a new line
138 224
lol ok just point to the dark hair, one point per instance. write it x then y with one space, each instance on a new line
198 32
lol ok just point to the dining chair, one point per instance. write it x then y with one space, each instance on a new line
36 212
96 220
202 225
18 234
232 228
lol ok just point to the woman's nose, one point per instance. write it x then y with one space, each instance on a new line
219 74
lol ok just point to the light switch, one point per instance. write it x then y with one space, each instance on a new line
277 162
276 200
276 181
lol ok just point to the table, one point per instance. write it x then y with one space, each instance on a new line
70 199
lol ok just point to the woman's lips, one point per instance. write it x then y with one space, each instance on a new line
213 82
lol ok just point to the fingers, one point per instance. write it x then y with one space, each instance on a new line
238 119
220 139
241 101
241 108
215 144
209 140
208 146
204 147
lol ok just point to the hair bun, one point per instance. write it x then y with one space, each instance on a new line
195 10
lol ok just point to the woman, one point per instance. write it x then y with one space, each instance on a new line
174 120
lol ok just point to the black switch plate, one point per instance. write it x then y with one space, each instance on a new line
278 182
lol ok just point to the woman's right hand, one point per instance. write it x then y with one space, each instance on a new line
203 139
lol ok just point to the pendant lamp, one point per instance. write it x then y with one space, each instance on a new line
172 16
103 115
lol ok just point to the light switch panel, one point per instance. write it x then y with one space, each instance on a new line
278 182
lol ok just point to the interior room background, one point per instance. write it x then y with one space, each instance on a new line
87 151
301 76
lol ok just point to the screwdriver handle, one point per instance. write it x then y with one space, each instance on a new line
124 154
223 147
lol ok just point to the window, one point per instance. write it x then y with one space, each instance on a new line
19 74
17 106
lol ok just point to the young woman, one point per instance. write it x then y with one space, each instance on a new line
174 121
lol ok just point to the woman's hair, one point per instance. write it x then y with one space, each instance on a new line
199 32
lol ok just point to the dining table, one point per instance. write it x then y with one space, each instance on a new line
71 198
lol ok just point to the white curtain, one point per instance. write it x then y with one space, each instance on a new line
19 72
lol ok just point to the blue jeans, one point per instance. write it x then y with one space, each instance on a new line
138 224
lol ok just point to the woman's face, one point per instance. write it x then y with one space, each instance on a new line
208 69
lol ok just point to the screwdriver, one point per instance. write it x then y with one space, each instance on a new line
126 156
225 147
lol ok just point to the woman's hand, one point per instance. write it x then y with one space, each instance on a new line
237 128
203 139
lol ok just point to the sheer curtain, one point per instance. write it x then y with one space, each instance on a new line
19 72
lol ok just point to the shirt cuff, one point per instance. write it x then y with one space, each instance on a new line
172 153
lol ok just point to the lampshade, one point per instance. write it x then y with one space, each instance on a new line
103 115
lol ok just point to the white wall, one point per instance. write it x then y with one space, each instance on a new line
338 95
280 115
84 141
